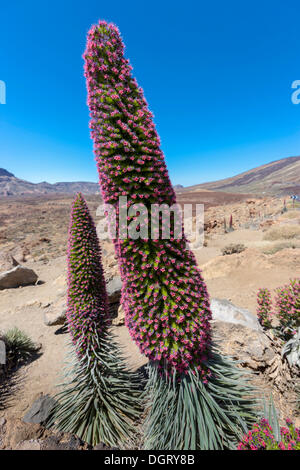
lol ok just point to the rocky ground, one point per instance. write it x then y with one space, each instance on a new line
34 232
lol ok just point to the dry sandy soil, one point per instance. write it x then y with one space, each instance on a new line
35 230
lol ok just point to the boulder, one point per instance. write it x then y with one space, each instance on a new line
53 318
40 410
120 319
16 277
16 431
2 353
32 444
249 346
113 288
61 442
2 422
225 311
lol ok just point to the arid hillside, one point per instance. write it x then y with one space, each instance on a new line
281 177
264 239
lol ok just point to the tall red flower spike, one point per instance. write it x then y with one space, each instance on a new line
164 295
165 299
87 306
102 400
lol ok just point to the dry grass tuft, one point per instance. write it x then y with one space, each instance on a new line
291 214
284 232
275 247
233 248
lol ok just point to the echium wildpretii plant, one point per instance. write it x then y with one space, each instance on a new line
288 307
267 434
262 437
264 307
195 396
101 398
163 288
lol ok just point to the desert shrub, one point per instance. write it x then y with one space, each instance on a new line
19 346
282 232
281 246
100 397
264 307
233 248
291 214
195 397
261 437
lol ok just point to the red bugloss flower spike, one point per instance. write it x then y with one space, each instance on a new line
87 307
164 296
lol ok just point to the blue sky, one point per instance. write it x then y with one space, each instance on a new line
217 76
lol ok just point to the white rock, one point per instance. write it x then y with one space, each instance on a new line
114 289
120 319
32 444
225 311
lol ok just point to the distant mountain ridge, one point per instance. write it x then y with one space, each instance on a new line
279 177
4 172
12 186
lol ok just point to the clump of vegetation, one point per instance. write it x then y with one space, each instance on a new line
100 398
292 214
19 347
264 307
262 437
196 398
283 232
288 306
287 311
281 246
233 248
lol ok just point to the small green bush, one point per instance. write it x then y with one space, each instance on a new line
19 347
233 248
